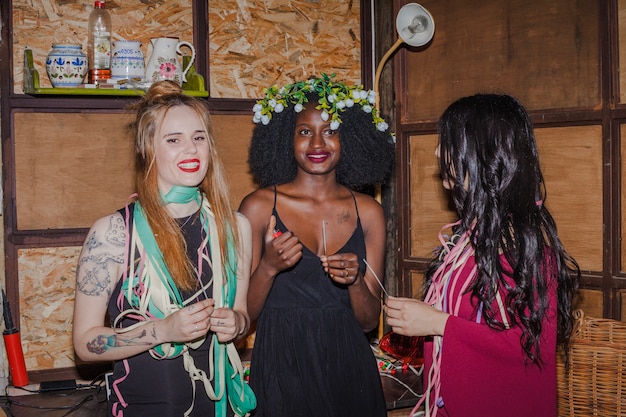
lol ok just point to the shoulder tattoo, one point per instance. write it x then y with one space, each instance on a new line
116 232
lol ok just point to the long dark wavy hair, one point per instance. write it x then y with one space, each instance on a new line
488 151
367 154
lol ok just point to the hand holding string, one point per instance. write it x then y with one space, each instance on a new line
342 268
411 317
189 323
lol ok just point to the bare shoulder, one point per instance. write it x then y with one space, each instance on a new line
109 230
368 205
258 203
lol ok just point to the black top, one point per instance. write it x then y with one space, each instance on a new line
311 357
162 387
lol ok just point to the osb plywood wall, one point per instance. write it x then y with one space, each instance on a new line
38 24
46 303
259 43
253 43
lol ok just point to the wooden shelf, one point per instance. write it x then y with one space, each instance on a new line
193 87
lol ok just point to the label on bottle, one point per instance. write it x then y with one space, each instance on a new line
102 50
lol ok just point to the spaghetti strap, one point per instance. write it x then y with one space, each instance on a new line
275 193
356 207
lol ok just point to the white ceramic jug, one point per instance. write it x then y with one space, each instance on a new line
164 63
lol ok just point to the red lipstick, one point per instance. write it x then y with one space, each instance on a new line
189 165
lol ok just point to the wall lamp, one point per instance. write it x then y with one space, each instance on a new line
415 27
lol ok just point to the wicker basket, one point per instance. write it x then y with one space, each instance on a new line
595 383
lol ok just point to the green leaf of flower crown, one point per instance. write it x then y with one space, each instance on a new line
334 98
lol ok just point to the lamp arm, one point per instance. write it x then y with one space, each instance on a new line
379 69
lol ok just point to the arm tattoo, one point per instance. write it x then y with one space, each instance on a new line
116 233
92 243
93 276
102 343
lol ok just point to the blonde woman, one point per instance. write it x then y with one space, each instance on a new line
170 269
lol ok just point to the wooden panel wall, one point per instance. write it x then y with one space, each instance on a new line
565 174
571 160
87 173
555 57
535 50
430 207
232 134
73 171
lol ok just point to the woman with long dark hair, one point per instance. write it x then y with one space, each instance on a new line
499 294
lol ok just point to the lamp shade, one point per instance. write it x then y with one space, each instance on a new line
415 25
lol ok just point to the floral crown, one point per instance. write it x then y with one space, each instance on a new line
334 98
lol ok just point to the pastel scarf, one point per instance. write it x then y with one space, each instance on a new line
152 295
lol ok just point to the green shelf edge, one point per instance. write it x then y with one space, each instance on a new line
65 91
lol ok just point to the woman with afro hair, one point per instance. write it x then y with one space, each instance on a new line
318 249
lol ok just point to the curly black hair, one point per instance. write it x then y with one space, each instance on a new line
367 154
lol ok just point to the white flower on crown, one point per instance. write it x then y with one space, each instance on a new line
334 98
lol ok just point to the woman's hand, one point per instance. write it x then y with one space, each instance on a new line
410 317
227 324
189 323
282 249
343 268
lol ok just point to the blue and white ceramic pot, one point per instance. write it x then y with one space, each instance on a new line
127 60
66 65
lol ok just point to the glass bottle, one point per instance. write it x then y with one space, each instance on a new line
99 43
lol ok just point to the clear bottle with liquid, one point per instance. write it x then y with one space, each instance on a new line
99 44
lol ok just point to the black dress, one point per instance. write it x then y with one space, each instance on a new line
153 387
311 357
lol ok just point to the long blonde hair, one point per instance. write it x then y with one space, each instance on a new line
151 110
